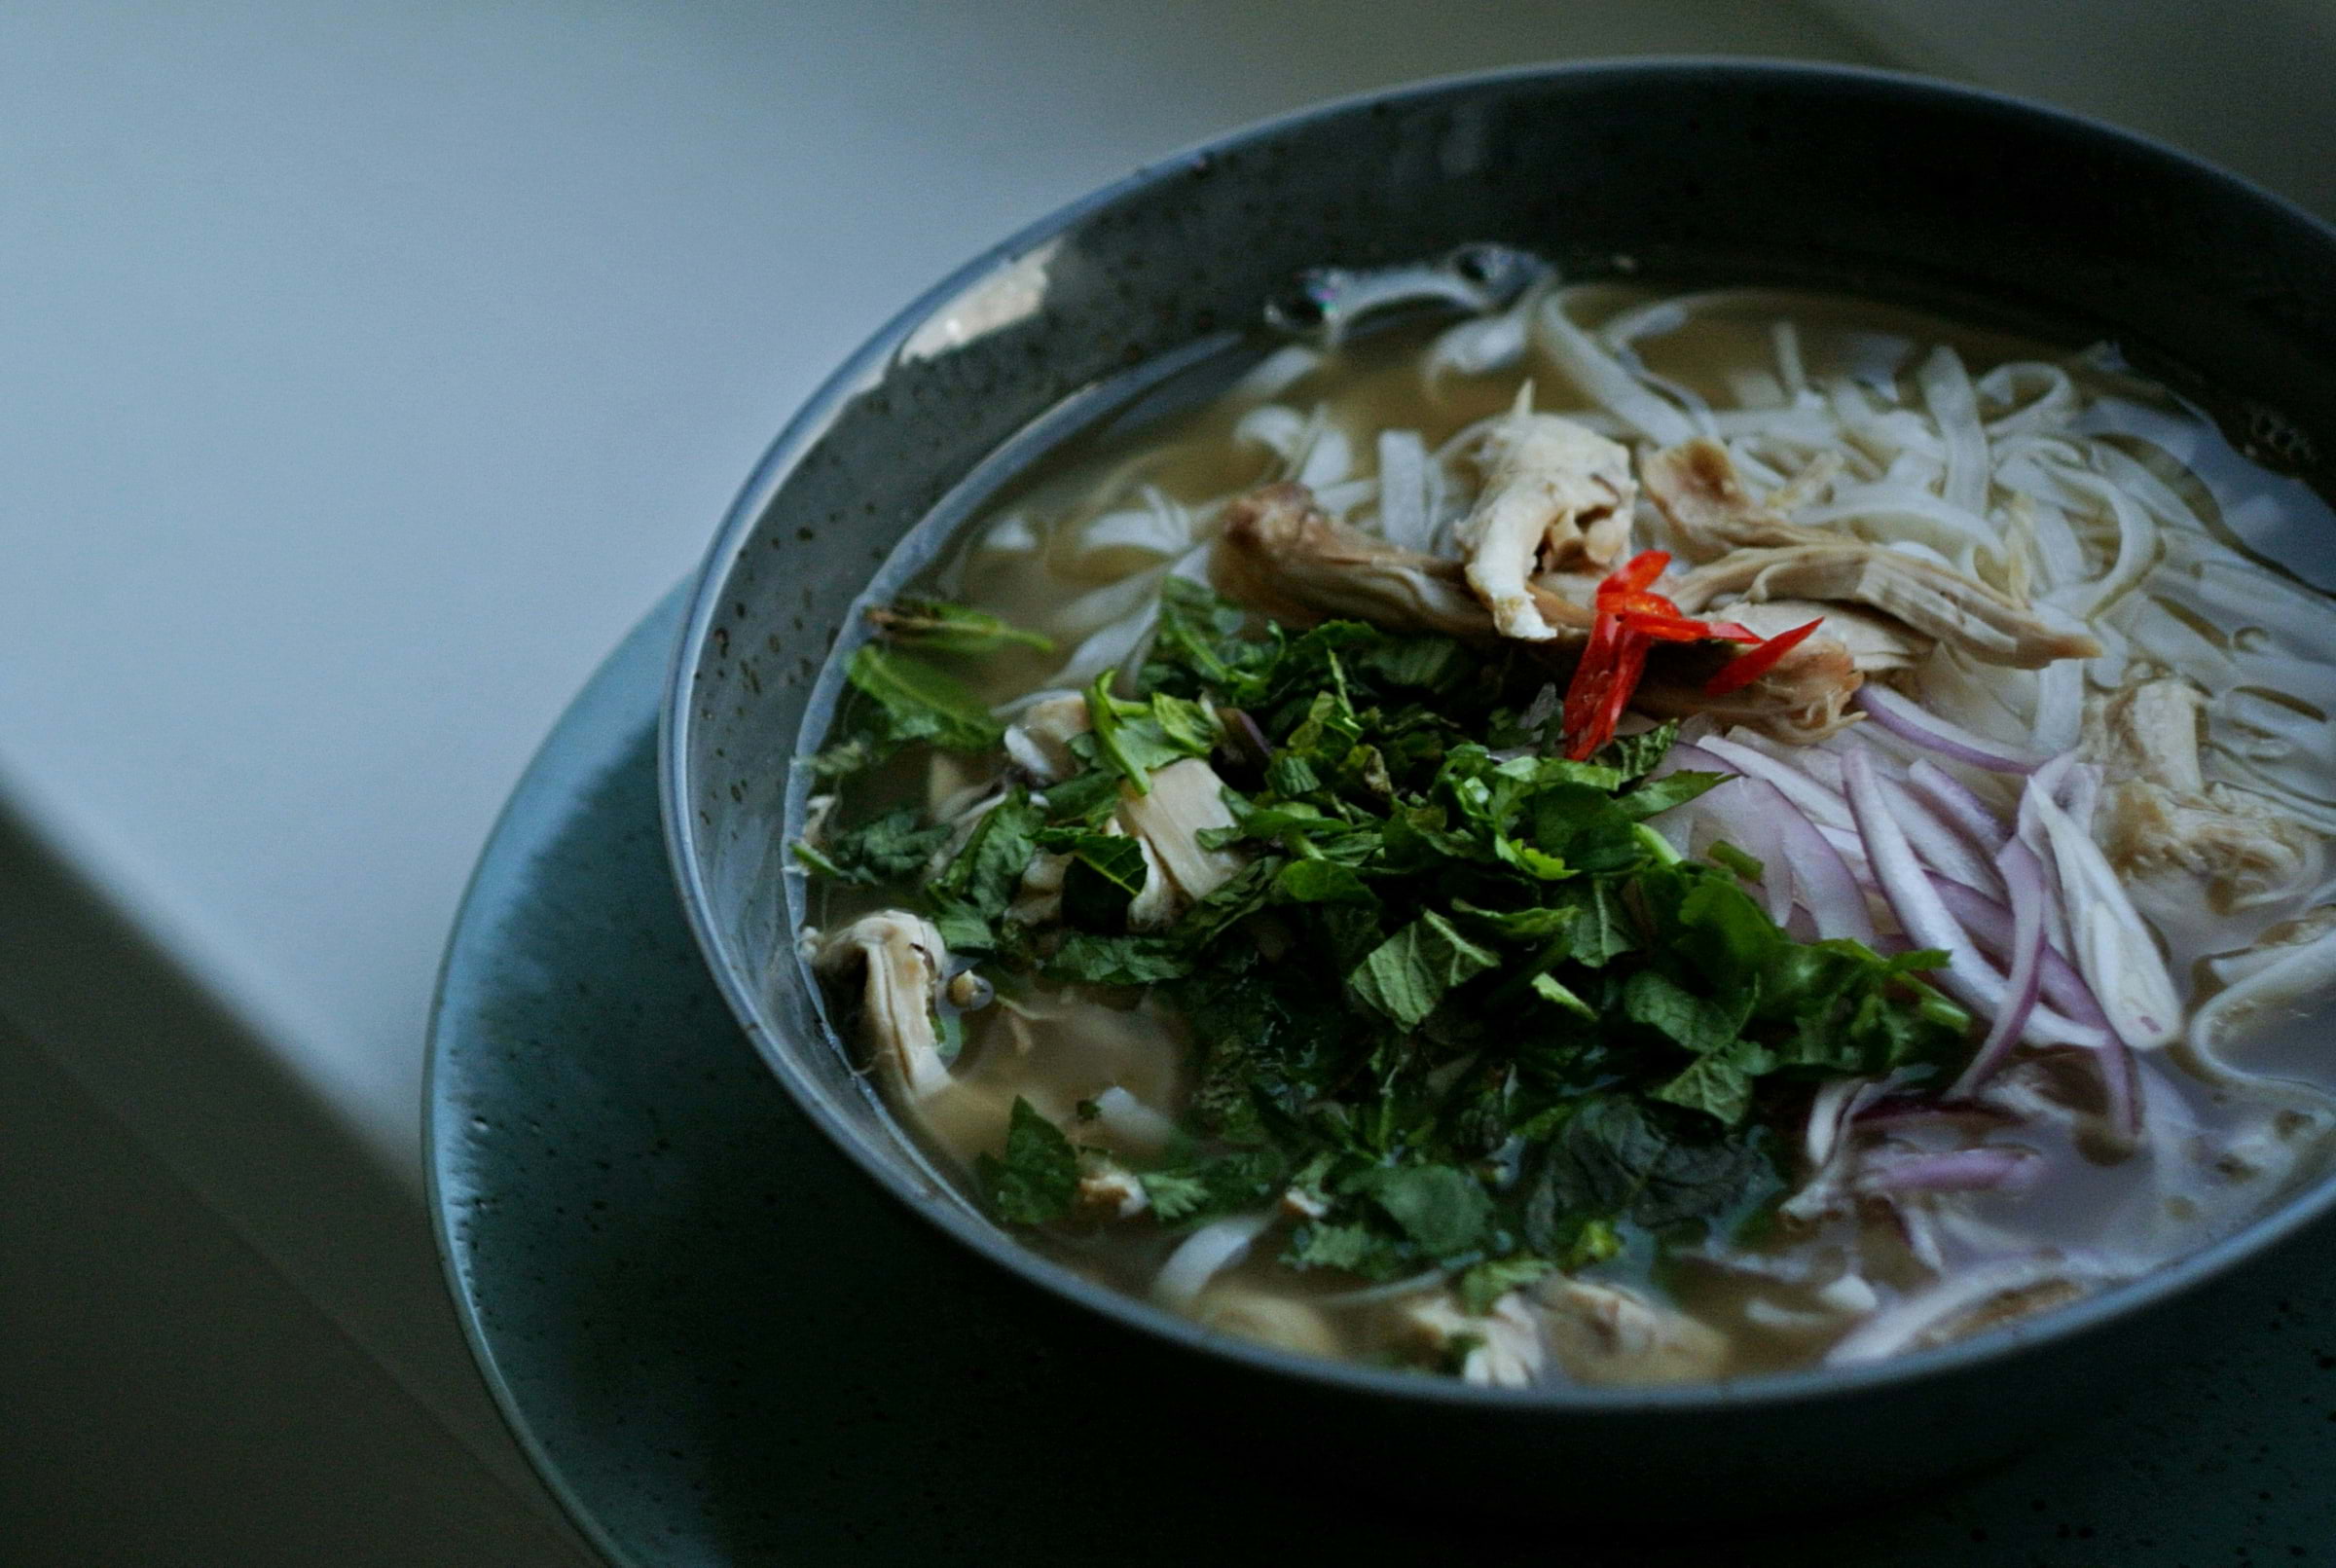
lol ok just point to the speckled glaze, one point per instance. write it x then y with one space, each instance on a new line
723 1346
1869 182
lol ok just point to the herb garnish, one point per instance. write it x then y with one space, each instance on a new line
1461 1006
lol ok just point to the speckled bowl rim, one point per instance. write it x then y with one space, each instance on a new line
802 434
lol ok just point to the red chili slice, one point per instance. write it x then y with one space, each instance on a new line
1635 574
1593 676
1680 629
1747 667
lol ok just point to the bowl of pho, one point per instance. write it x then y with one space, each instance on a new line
1559 753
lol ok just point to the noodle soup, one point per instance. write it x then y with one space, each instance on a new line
1574 832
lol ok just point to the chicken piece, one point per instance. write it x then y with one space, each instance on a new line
1754 552
1602 1334
1801 701
1876 644
1932 598
1157 904
1556 495
903 957
1697 489
1186 798
1106 1190
2158 817
1501 1349
1040 741
1230 1306
1283 556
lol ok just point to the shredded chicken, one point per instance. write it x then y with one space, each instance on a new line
2159 817
1934 599
904 958
1040 741
1556 495
1501 1349
1602 1334
1187 798
1696 486
1752 553
1108 1190
1876 644
1283 556
1280 556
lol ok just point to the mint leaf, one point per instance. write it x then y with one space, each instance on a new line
1440 1207
1406 976
1118 959
1321 882
946 628
1658 795
889 848
1713 1084
919 702
1105 874
1690 1021
1039 1176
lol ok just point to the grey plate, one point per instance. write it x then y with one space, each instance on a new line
722 1345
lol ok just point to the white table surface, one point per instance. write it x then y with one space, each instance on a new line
370 369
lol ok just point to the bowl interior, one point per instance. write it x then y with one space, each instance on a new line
1868 182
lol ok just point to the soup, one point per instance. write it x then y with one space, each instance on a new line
1582 833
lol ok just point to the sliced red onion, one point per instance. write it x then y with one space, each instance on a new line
1990 924
1967 977
1801 864
2115 951
1987 1168
1935 842
1952 800
2023 878
1910 722
1821 804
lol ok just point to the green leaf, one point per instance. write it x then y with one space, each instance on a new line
1658 795
1321 882
1039 1176
946 628
1714 1085
1613 1158
919 702
1634 756
975 889
1487 1282
889 848
1194 1190
1105 874
1353 1246
1118 959
1406 976
1443 1209
1693 1023
1133 737
1549 989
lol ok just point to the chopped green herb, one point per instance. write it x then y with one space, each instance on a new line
1039 1176
946 628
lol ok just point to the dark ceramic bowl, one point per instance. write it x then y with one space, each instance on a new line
1874 184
